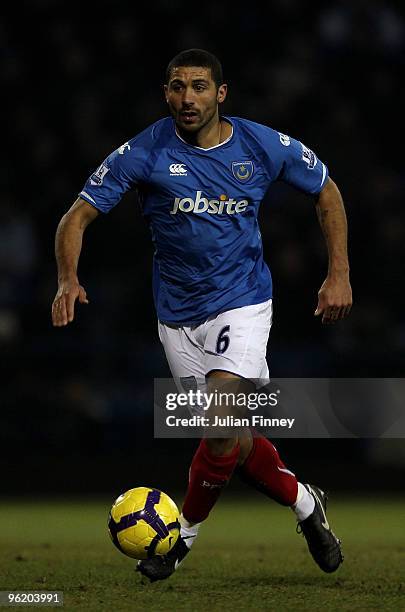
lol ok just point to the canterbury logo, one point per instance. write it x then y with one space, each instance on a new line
178 170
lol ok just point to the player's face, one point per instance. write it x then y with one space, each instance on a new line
193 97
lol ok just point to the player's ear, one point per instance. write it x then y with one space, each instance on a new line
221 94
165 90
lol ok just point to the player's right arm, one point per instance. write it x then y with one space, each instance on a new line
123 169
68 245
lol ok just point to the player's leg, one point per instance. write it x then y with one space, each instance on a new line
216 457
264 470
213 462
243 333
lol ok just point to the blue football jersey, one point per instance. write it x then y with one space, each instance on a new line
202 207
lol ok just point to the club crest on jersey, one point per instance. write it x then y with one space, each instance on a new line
242 171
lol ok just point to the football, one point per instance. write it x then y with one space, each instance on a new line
144 522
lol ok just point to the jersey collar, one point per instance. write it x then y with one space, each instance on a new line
221 144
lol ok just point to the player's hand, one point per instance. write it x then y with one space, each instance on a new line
63 307
334 299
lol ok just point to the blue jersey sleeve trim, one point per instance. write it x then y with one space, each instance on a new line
324 179
85 196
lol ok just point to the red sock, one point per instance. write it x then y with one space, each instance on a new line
264 470
208 475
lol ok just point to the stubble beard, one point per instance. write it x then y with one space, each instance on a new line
193 130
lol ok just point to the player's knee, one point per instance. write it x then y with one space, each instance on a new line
221 446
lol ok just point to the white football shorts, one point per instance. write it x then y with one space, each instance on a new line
234 341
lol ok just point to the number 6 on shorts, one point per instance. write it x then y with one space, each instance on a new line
223 340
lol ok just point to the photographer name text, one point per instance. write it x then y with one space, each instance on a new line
228 421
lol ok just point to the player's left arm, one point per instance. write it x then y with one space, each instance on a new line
335 295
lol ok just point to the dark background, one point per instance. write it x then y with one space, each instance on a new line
76 403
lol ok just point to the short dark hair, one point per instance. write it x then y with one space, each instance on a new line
197 57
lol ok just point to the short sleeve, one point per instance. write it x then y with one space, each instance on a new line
118 173
300 167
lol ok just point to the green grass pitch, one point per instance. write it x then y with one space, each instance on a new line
247 557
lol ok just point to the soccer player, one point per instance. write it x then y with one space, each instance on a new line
200 178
